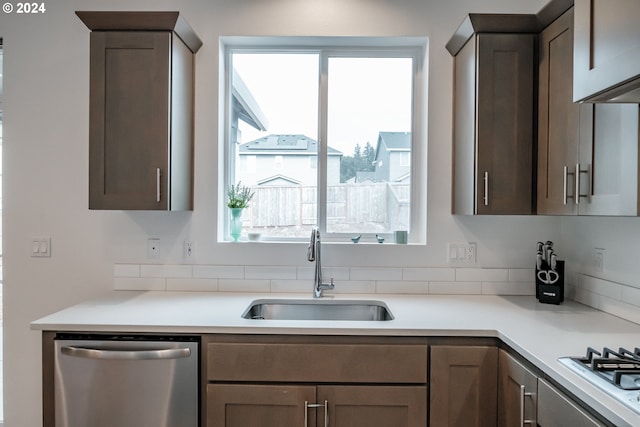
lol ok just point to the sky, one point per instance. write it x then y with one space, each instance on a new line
365 96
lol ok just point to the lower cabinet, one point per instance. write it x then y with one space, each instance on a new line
555 409
280 381
525 399
233 405
517 393
463 386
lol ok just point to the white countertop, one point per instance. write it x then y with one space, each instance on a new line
539 332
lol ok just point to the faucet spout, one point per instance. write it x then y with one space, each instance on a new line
313 254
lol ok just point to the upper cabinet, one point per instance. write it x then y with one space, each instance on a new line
493 114
587 153
607 51
141 110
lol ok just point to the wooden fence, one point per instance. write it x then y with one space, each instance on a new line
374 206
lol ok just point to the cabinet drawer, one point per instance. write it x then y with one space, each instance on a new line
317 362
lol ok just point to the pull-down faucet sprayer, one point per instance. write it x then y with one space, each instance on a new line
313 254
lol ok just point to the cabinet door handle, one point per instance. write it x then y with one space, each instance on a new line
565 174
579 172
158 182
486 189
308 405
523 395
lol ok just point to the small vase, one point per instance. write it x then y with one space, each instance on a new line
236 223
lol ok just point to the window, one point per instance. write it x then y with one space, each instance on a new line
328 132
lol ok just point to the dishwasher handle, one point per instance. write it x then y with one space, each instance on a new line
95 353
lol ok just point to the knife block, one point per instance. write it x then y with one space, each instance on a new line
551 294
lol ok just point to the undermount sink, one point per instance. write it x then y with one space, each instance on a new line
287 309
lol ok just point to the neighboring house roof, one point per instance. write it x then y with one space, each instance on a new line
245 105
394 141
363 176
278 180
296 144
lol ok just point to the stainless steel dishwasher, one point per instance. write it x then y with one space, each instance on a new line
126 381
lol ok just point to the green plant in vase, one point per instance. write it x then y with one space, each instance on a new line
238 198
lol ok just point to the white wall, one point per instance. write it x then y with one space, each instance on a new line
46 151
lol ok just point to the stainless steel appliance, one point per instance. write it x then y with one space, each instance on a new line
615 372
126 381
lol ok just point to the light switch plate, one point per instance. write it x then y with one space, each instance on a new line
41 247
461 253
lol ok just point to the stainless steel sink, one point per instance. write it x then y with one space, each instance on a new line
287 309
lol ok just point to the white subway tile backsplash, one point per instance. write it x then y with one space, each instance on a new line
615 298
192 285
522 274
140 284
402 287
270 273
455 288
166 270
355 287
126 270
508 288
218 272
429 274
631 295
294 286
305 273
620 309
601 287
482 275
247 285
338 273
375 273
587 298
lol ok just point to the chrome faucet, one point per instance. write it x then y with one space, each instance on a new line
313 254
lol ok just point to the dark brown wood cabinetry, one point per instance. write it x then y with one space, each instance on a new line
526 399
555 409
141 110
316 381
493 116
607 51
587 153
517 393
463 386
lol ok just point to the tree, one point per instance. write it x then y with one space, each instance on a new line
360 161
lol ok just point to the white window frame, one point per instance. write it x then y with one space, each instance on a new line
414 47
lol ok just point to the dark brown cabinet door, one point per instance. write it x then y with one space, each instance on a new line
517 393
373 406
558 120
129 119
504 179
230 405
607 50
557 410
493 125
588 150
608 168
463 387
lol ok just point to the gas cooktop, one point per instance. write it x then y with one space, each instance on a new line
615 372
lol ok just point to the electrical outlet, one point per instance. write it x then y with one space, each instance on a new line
189 249
153 248
598 260
462 253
